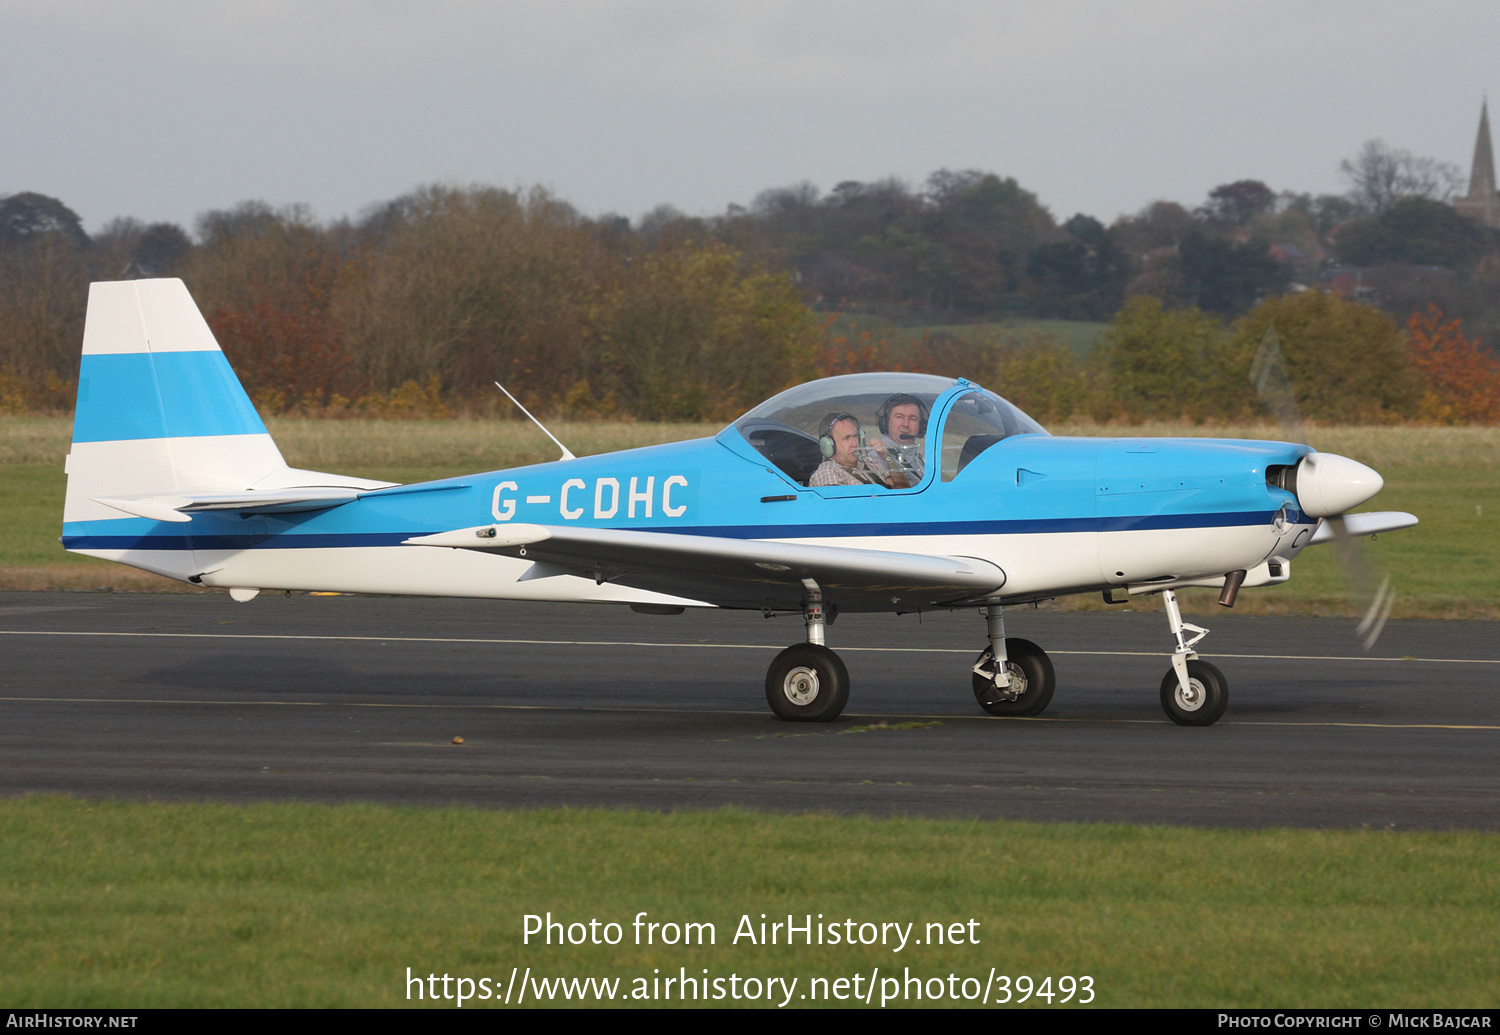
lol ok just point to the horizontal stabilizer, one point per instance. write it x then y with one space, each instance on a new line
181 506
1365 524
628 556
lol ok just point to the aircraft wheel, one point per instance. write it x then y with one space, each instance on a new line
1030 671
1205 700
807 683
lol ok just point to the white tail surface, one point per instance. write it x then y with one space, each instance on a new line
160 413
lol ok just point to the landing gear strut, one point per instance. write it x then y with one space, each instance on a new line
1193 692
1012 676
808 682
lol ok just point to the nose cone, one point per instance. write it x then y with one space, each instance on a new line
1329 484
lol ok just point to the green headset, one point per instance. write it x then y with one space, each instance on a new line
825 433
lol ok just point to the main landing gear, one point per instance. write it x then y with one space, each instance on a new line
808 682
1012 677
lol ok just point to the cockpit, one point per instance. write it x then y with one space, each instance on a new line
880 429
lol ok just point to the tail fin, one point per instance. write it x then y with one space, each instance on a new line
160 413
159 409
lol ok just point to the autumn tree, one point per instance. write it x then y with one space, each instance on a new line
1415 231
1347 362
1236 204
691 334
44 278
1460 381
266 281
1161 363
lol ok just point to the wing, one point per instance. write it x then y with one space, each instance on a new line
734 572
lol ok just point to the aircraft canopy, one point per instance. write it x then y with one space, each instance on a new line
786 428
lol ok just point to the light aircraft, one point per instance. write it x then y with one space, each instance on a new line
171 470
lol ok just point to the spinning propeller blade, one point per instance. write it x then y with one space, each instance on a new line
1268 374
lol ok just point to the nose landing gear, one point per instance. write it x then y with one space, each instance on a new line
1193 692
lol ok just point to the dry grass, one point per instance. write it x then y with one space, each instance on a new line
475 445
90 576
339 445
332 445
1380 446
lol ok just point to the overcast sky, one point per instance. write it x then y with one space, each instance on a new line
161 110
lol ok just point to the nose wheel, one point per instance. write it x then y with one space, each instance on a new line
1193 692
1199 701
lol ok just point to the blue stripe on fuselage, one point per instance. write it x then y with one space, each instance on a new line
136 395
302 541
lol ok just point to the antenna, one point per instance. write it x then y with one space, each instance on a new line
567 454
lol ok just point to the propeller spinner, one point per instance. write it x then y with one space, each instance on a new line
1327 486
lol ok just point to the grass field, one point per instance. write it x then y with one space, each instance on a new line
133 904
1448 477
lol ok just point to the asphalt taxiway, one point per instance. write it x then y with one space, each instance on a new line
337 698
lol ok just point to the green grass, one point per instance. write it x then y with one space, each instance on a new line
1448 477
140 905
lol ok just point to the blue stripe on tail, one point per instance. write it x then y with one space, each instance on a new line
136 395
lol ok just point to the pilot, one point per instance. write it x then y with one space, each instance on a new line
840 438
903 427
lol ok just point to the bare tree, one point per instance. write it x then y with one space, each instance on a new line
1380 175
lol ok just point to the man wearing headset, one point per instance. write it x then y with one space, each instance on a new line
839 436
903 429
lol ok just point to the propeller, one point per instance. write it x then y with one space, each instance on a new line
1326 485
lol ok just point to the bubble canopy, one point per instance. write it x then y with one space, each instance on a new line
786 428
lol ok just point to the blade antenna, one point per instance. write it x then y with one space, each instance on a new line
567 454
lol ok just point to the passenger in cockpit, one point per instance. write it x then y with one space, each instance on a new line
846 461
903 423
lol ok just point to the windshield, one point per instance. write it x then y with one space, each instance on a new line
976 421
868 429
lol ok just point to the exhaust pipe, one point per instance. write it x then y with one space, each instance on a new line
1232 582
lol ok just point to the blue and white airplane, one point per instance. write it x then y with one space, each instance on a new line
862 493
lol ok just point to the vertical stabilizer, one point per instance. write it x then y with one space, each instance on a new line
159 408
160 412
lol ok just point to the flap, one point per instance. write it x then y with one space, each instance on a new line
747 568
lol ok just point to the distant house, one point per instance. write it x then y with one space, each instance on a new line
1482 202
1347 282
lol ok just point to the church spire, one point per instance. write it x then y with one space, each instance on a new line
1482 179
1482 203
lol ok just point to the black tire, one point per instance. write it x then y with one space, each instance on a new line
807 683
1031 664
1210 695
